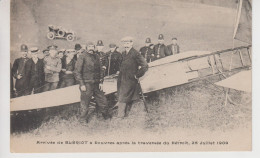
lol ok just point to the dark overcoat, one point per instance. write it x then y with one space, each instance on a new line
127 85
160 51
114 60
147 53
34 73
19 68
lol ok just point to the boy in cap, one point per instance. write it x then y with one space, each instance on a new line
34 71
174 47
160 50
133 66
52 68
114 59
90 77
68 66
18 72
147 52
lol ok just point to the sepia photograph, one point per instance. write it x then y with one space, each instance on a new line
130 76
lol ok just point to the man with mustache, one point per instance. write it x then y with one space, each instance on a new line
133 66
88 72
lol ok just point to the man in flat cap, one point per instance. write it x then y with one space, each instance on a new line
147 52
114 59
34 71
52 68
101 55
68 66
160 50
133 66
88 73
18 72
174 47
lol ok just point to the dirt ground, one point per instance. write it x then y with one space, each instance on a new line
189 108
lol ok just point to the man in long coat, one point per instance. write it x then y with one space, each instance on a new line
34 71
18 72
128 88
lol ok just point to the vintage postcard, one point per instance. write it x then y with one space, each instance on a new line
130 75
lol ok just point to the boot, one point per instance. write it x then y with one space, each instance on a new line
128 109
121 109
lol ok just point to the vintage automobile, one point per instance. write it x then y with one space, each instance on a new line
60 33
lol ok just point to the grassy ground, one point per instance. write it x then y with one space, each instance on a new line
187 108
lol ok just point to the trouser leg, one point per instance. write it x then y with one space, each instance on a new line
102 104
53 85
67 82
100 99
63 84
21 87
128 108
85 98
121 109
46 86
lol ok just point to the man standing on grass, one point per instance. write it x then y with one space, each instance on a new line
88 73
133 66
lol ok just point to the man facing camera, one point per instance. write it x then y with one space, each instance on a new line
174 47
68 66
133 66
160 50
88 73
52 68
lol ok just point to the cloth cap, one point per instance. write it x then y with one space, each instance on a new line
112 45
34 50
52 47
127 39
90 44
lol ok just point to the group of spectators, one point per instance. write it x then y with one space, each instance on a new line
56 69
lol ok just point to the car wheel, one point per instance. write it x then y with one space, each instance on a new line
70 37
50 35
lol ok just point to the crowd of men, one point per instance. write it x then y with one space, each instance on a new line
88 67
